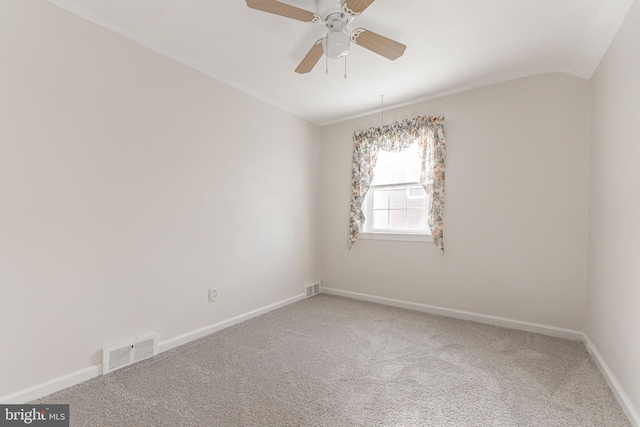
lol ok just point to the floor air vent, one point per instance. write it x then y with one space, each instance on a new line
126 353
313 289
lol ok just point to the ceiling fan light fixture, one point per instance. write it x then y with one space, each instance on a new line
337 41
337 44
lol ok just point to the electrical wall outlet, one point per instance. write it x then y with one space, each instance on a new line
213 294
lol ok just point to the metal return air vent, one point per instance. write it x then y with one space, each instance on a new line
313 289
128 352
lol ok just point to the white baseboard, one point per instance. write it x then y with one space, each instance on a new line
199 333
464 315
44 389
53 385
614 385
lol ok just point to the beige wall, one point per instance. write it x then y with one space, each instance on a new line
515 217
129 184
613 290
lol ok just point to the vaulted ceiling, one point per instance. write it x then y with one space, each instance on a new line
452 45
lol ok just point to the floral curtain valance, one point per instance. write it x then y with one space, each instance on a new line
428 133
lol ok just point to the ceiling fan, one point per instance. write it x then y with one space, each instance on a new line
336 16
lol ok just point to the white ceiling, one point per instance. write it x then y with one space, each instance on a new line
452 45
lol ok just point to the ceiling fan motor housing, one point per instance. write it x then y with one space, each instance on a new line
338 40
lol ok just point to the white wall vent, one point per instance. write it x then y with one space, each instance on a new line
313 289
127 352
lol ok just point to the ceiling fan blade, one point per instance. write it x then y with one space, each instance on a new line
381 45
283 9
311 59
357 6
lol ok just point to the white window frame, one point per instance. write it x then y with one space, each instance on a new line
389 234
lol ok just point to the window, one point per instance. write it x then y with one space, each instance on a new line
397 202
395 213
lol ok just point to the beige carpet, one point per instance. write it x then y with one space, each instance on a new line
330 361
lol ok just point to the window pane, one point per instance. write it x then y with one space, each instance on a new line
398 204
414 172
415 203
381 219
398 199
398 175
417 192
398 220
398 168
416 219
380 199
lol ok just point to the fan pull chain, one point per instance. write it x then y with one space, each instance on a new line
326 60
345 66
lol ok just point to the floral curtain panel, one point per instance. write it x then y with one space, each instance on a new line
428 133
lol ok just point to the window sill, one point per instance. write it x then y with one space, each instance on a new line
402 237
